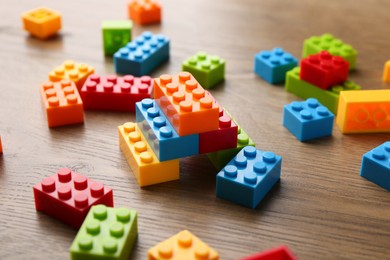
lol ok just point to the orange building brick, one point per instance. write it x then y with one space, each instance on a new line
62 103
386 72
183 245
144 11
76 72
188 107
147 169
42 22
364 111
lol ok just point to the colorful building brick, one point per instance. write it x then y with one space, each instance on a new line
308 119
273 65
209 70
42 22
116 34
142 55
364 111
107 233
144 11
189 108
278 253
249 176
115 93
386 72
62 103
183 245
147 169
68 196
161 136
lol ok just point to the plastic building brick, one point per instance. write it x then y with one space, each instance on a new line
273 65
308 119
107 233
42 22
144 11
147 169
161 136
76 72
207 69
334 46
142 55
223 138
68 196
386 72
1 147
189 108
249 176
116 34
303 89
364 111
278 253
376 165
62 103
221 158
115 93
183 245
324 70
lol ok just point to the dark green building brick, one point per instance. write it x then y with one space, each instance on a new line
116 34
305 90
208 70
106 233
335 46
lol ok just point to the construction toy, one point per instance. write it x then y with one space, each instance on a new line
303 89
189 108
364 111
207 69
273 65
249 176
1 147
144 11
68 196
76 72
142 55
116 34
42 22
107 233
115 93
278 253
324 70
161 136
146 167
308 119
376 166
183 245
334 46
386 72
62 103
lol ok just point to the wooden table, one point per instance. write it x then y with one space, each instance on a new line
322 208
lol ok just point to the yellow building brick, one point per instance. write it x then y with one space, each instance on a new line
364 111
386 72
146 167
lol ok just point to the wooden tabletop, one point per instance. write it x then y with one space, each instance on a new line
321 209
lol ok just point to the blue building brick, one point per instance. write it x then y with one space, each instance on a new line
376 165
161 136
142 55
273 65
308 119
249 176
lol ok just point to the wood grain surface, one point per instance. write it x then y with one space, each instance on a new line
322 208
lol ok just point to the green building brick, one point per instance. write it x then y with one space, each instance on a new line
221 158
305 90
329 43
106 233
208 70
116 34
